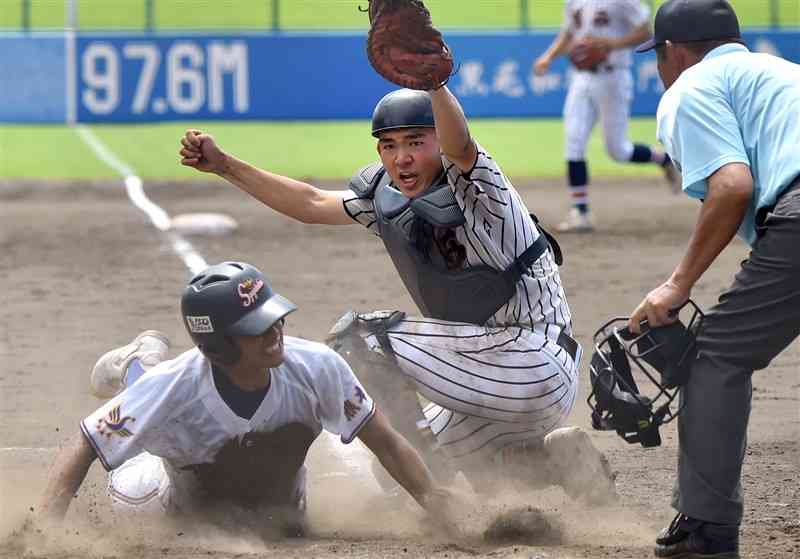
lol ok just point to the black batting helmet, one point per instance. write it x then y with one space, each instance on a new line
230 299
663 359
402 108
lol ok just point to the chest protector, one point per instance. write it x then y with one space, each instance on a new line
473 294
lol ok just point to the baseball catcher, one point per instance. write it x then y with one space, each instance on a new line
490 344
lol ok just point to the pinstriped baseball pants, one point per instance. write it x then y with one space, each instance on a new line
489 387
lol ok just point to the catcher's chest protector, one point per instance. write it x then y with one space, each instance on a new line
472 294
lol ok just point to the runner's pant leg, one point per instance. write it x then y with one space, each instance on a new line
754 321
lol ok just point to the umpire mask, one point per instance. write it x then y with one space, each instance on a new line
636 378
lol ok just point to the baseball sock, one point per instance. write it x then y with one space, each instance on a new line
578 174
135 370
644 154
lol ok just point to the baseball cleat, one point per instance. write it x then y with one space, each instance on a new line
576 222
579 468
689 538
109 373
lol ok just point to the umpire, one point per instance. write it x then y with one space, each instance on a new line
729 119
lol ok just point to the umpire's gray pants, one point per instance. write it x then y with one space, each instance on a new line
754 321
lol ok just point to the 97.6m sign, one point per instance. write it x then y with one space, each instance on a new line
129 80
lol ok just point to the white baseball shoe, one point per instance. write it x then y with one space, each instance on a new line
109 373
576 222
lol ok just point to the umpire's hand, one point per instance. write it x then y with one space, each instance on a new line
660 307
200 150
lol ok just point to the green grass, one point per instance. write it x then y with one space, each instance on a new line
322 14
297 149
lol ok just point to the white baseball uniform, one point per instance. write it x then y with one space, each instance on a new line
606 93
509 380
162 437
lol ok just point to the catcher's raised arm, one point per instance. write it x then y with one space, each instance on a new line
404 47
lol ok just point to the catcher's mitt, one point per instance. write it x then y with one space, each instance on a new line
404 47
587 55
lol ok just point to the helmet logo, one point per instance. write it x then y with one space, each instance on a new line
199 324
249 289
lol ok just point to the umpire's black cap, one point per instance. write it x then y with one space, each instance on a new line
687 21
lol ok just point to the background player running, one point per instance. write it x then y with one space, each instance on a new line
491 348
603 92
201 432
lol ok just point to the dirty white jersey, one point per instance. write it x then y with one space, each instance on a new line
610 19
498 228
175 412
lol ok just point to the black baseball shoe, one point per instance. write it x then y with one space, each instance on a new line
689 538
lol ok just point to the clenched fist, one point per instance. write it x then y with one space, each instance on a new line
200 150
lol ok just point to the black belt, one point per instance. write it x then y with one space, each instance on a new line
761 215
601 68
568 344
792 185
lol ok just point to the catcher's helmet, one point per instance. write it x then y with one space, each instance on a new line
230 299
662 356
402 108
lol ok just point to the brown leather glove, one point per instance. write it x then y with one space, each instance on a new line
404 47
587 55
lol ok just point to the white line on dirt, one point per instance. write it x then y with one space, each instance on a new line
134 188
181 247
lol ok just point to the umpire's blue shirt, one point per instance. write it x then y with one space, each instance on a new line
735 106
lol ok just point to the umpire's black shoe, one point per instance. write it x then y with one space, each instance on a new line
688 538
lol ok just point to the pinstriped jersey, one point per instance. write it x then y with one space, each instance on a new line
498 229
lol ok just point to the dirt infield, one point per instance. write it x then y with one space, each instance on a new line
81 270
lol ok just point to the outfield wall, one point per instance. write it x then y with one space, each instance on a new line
145 77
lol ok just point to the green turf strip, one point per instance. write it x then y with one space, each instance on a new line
297 149
323 14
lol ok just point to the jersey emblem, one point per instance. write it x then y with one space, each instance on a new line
249 289
112 424
351 409
601 18
360 395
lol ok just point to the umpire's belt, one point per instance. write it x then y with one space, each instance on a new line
568 344
761 214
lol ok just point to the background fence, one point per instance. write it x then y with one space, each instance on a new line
277 15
